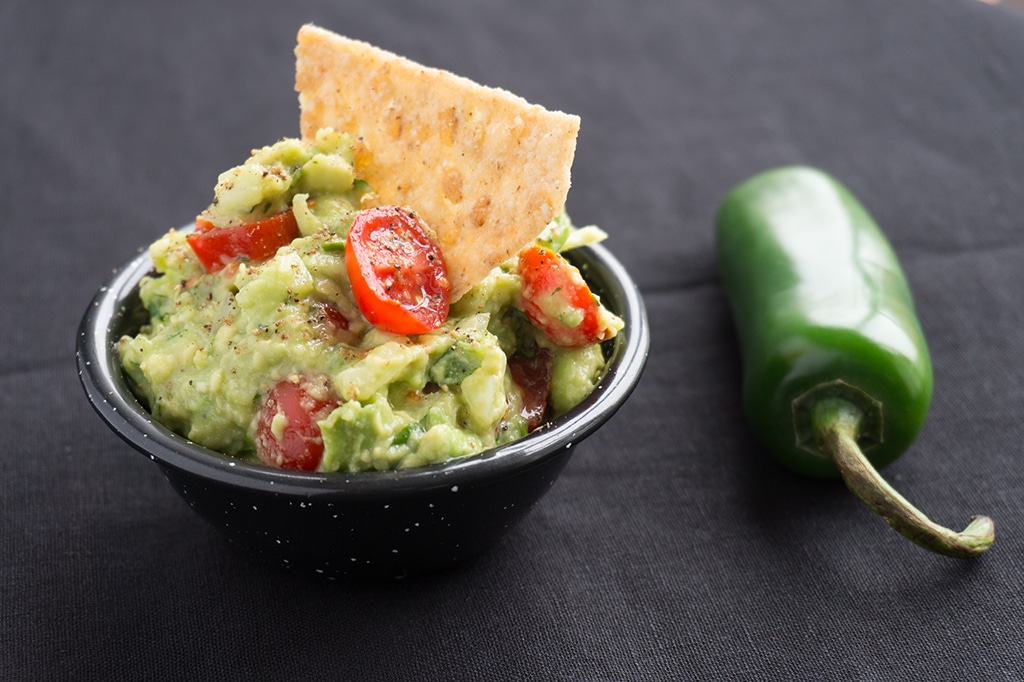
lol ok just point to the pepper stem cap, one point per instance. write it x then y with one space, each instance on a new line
837 423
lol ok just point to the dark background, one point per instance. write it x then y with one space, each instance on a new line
672 547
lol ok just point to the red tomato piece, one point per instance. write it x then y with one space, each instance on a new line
328 316
216 247
533 377
557 300
397 271
331 324
295 441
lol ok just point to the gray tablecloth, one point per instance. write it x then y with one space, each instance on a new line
672 547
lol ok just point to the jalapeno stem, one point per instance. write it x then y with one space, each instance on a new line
836 424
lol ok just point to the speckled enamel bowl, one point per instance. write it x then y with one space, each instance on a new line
377 525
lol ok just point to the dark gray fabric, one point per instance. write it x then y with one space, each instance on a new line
672 547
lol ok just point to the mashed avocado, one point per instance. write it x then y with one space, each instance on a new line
217 343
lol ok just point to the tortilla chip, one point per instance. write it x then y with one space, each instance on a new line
485 169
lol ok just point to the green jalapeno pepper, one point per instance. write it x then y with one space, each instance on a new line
837 378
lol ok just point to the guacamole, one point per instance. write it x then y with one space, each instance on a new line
251 349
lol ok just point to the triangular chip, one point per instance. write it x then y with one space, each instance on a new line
484 168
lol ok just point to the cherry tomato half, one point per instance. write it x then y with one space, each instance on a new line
216 247
397 271
557 300
287 435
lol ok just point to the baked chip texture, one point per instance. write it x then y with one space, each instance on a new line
484 168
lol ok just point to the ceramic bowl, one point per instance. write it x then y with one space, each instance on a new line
378 524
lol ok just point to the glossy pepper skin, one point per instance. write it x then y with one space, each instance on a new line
822 309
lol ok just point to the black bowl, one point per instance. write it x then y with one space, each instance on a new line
376 524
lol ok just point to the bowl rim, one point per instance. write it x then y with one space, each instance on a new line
101 376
